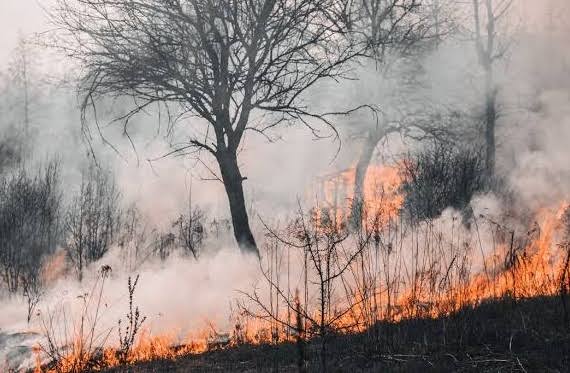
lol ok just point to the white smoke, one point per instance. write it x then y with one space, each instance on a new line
182 294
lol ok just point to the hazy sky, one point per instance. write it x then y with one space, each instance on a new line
27 16
16 16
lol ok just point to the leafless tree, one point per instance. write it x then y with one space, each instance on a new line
191 231
389 25
420 124
21 74
32 289
165 244
238 65
29 229
490 48
403 28
441 175
329 250
20 95
25 90
134 237
93 219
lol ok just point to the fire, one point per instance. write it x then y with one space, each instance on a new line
436 283
533 268
381 196
147 348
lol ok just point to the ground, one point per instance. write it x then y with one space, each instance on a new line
530 335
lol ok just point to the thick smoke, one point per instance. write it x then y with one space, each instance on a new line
182 294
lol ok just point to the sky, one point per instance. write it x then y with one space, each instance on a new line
28 17
19 16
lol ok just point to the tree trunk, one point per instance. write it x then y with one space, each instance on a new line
490 124
360 176
232 179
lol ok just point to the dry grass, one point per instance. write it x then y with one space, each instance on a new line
499 336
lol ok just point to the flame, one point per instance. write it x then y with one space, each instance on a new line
441 287
381 196
533 269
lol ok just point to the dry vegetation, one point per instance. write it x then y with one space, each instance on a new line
399 292
500 335
393 268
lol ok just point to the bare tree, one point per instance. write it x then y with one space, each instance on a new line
164 244
440 176
329 250
21 73
93 219
402 28
489 49
238 65
389 25
29 229
25 89
134 238
20 91
191 231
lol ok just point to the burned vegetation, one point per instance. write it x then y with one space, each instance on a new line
435 237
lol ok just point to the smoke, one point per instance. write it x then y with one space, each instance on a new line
177 296
182 294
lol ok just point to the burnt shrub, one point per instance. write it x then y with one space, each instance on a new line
92 221
10 150
440 176
29 225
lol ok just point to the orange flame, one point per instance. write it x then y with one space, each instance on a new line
526 270
381 196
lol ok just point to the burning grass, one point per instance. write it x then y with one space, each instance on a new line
500 335
324 278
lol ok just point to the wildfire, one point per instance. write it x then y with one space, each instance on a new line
381 196
438 285
148 347
519 270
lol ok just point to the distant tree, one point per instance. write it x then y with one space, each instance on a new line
24 88
29 227
238 65
133 238
93 219
191 230
490 48
403 29
19 98
22 74
392 25
165 244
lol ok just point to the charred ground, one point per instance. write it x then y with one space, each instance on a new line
503 335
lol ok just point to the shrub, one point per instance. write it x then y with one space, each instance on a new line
441 176
93 219
29 226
